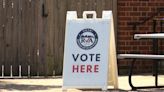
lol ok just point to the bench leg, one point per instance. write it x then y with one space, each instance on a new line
130 74
141 87
156 73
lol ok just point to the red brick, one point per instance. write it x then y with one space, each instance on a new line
143 47
126 47
135 8
144 14
124 18
144 8
144 4
121 13
144 28
161 4
122 23
121 43
144 0
125 28
137 11
135 4
153 4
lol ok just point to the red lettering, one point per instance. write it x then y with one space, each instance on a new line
85 68
75 68
96 68
82 68
89 68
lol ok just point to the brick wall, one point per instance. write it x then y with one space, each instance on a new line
136 11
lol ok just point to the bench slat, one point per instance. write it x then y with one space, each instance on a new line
154 35
139 56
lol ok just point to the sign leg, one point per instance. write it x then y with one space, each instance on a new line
104 88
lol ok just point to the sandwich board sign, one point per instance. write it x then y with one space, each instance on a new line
87 51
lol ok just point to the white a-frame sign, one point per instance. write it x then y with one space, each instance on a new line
90 53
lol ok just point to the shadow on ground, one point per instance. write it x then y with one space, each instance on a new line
99 90
120 90
11 86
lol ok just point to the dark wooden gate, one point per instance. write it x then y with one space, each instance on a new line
32 32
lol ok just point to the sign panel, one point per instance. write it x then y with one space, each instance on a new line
86 52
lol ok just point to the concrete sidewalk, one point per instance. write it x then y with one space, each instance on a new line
55 85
